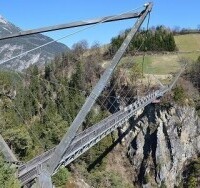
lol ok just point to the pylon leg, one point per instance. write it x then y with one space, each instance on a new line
44 180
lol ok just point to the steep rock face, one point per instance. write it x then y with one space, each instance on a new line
13 47
163 142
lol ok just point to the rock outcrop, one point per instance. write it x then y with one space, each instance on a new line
163 141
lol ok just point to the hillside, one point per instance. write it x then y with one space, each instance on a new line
13 47
150 150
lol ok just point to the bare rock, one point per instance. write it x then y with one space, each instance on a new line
165 141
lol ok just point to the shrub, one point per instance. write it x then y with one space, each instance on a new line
179 94
61 177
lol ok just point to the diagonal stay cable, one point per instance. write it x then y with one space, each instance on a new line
123 72
119 92
134 54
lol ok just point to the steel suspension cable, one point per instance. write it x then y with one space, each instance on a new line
133 55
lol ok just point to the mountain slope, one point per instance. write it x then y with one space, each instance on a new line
12 47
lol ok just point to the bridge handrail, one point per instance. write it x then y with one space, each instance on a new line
90 135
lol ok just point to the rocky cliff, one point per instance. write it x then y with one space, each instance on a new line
154 149
163 142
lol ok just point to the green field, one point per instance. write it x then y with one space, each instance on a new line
188 42
188 46
162 64
155 64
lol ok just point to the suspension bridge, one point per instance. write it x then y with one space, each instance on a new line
74 143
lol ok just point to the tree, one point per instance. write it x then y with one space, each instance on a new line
176 29
79 48
136 73
155 39
194 73
179 94
192 182
96 52
7 175
20 140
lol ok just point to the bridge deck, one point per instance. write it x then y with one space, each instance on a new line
85 140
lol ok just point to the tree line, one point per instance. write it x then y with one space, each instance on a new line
155 39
